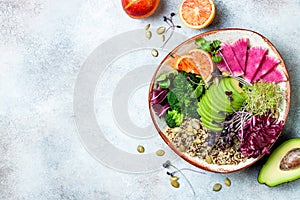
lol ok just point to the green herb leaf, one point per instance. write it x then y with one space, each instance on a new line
200 41
198 91
165 84
216 59
216 44
206 47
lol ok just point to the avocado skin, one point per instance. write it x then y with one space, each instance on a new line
271 174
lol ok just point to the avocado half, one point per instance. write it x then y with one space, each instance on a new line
283 165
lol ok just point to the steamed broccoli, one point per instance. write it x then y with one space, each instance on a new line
173 118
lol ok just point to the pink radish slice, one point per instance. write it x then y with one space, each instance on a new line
239 48
255 57
267 65
276 75
230 59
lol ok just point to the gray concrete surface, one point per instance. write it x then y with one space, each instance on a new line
44 43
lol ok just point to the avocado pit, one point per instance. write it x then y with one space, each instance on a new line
291 160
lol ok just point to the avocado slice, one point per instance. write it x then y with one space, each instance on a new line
210 114
219 99
212 110
273 173
232 84
207 123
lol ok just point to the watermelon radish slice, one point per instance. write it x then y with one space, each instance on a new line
222 65
255 57
229 58
239 48
276 75
267 65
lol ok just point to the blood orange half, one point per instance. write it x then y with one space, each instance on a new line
197 14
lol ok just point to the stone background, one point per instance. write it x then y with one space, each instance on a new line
43 44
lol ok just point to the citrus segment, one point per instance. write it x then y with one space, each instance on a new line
197 14
203 62
186 63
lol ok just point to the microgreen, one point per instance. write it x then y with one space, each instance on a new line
263 98
172 27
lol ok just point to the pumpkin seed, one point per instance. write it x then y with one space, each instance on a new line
163 38
175 184
227 182
160 152
147 27
148 35
154 53
140 149
217 187
174 178
161 30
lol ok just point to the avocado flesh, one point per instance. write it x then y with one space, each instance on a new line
219 99
215 101
271 174
211 111
232 84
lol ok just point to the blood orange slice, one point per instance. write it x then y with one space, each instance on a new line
204 63
186 63
197 14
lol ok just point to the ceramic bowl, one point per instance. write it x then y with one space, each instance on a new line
229 35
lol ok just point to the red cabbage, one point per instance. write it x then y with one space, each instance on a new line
159 102
258 133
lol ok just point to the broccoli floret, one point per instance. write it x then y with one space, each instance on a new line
173 118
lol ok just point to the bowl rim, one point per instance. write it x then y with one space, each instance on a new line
186 157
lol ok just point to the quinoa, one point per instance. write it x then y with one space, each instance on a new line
194 139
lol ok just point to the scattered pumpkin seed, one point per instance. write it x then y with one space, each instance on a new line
174 178
163 38
154 53
160 30
148 35
160 152
175 184
217 187
227 182
140 149
147 27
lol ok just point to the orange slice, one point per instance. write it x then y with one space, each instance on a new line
203 62
186 63
197 14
